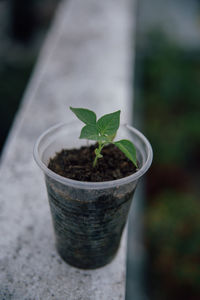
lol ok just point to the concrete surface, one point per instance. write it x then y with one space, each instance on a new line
85 61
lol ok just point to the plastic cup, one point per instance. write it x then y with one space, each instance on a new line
88 217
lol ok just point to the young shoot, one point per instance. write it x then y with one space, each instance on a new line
103 131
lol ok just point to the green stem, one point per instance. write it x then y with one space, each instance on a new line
101 145
95 161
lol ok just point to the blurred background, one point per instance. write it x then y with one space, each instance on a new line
167 110
23 26
166 89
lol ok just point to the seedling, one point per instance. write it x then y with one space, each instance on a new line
103 132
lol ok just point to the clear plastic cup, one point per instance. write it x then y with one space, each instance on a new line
88 217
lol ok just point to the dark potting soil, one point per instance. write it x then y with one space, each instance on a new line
77 164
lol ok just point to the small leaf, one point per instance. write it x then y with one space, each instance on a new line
98 154
89 132
96 151
128 149
108 124
85 115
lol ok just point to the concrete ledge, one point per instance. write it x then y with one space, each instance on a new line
85 61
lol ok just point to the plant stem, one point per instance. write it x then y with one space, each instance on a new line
101 145
95 161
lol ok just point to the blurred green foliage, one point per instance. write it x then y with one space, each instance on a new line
171 93
23 27
174 240
13 77
169 97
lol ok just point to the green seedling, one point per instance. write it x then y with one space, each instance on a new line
103 131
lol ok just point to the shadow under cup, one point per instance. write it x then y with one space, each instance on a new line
88 217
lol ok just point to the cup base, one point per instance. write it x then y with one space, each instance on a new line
89 263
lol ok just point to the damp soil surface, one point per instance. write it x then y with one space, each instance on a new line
77 164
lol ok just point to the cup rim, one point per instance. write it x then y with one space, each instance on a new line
93 185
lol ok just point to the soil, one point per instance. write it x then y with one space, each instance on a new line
77 164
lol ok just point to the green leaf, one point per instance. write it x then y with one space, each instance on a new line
104 138
110 138
89 132
128 149
98 154
108 124
85 115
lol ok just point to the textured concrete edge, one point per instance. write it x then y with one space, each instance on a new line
37 77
